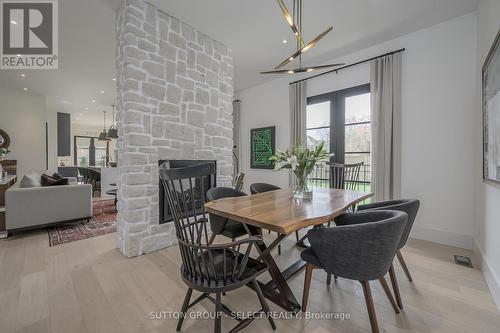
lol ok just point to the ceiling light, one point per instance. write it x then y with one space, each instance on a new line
112 132
25 89
114 79
300 69
23 75
102 91
86 108
18 55
103 135
295 22
290 22
284 41
13 22
93 101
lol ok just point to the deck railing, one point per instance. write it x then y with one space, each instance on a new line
320 177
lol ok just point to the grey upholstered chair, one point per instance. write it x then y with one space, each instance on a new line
410 207
361 249
221 225
257 188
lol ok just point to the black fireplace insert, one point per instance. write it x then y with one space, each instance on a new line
209 182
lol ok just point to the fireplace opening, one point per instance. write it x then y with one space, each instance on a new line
209 182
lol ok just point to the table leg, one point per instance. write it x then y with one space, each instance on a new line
280 293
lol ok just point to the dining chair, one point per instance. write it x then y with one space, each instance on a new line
238 181
345 176
224 226
361 249
257 188
94 178
410 207
83 172
207 268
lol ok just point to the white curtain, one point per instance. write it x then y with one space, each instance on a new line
298 105
386 126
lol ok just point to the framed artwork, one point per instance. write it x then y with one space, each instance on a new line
262 146
491 113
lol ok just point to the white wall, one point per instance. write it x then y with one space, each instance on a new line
487 234
439 95
23 117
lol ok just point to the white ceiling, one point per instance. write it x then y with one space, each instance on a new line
253 29
86 64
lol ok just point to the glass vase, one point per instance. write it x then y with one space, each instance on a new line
301 190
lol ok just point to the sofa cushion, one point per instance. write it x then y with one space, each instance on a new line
31 179
50 181
57 176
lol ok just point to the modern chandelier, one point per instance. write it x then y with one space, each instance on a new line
295 23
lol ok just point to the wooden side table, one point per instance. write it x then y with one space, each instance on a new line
5 183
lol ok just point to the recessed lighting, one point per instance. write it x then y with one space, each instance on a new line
114 79
18 55
310 69
25 89
23 75
102 91
93 101
290 72
13 22
284 41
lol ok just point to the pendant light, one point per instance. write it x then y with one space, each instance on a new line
113 132
295 23
103 136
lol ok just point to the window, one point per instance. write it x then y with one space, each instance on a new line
343 120
88 151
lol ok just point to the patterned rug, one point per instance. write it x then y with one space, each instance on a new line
102 222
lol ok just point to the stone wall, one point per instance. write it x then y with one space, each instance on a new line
175 90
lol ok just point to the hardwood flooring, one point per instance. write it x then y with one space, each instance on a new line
88 286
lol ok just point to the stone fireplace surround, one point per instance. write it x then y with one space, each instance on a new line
175 91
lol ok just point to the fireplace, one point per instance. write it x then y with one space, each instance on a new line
165 213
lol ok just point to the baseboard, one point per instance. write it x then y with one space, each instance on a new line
492 280
442 237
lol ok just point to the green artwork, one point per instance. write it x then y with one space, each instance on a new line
262 141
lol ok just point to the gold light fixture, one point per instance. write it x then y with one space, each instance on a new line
295 22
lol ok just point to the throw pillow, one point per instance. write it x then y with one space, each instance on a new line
50 181
31 179
57 176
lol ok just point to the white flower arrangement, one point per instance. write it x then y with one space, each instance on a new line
301 160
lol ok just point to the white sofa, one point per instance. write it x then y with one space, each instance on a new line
39 206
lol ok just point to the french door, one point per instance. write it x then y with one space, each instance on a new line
89 151
343 120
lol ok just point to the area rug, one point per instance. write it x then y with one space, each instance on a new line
103 222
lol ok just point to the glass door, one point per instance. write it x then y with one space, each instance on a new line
88 151
343 120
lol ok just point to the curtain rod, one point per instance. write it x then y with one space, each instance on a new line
348 66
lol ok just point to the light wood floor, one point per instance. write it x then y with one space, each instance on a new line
88 286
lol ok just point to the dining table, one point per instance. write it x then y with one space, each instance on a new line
280 212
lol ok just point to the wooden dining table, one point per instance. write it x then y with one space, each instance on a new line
278 211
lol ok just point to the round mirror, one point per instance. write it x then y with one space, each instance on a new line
4 139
